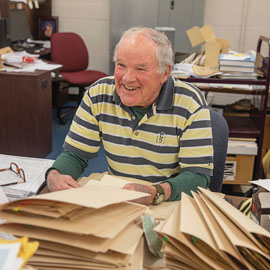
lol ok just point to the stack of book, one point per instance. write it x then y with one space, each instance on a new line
91 227
239 75
237 64
206 232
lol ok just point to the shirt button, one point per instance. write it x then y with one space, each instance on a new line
133 117
136 133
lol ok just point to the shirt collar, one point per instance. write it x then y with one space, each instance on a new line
165 97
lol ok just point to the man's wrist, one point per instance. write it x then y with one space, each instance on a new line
50 171
167 189
159 195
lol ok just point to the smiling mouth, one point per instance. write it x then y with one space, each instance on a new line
129 88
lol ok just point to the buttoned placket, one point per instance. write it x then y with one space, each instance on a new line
136 124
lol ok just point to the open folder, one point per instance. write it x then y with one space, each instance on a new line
206 232
92 227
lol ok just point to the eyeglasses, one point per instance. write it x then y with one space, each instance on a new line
15 169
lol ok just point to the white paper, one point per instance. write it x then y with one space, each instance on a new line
265 183
3 198
9 256
15 60
34 169
19 1
45 43
41 65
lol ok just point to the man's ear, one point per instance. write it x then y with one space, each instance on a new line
167 73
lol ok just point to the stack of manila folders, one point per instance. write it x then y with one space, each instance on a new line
95 227
92 227
207 232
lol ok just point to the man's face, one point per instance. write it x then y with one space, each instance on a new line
137 80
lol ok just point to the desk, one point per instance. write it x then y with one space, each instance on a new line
25 113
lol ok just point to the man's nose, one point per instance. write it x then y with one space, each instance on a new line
129 75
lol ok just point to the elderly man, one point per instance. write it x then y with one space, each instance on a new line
152 126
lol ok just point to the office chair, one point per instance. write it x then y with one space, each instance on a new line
220 133
69 50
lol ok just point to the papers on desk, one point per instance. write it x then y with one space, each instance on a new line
265 183
16 62
44 43
206 232
34 169
84 228
187 70
229 86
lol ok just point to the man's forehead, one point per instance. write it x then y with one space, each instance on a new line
139 63
136 51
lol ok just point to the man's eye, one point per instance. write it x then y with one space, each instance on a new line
120 65
141 69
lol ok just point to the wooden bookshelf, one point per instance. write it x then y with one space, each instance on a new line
250 125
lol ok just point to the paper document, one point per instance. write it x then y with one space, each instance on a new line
41 65
34 169
14 254
208 231
8 256
265 183
83 228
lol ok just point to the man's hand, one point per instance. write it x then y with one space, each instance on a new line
142 188
148 189
57 181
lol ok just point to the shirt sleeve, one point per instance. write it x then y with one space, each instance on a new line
196 143
71 164
186 182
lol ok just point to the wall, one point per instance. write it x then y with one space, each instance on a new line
90 19
240 21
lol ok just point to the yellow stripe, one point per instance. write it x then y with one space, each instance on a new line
81 146
196 151
145 170
130 151
84 132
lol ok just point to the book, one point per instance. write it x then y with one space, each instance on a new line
237 68
232 59
240 75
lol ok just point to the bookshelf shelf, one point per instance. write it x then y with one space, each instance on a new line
249 125
243 126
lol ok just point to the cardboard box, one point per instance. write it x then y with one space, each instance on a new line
240 162
213 46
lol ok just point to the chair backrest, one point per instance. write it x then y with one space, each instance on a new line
69 49
220 132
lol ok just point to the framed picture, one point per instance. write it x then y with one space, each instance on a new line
47 26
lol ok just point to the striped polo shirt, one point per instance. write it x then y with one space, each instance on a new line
174 135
